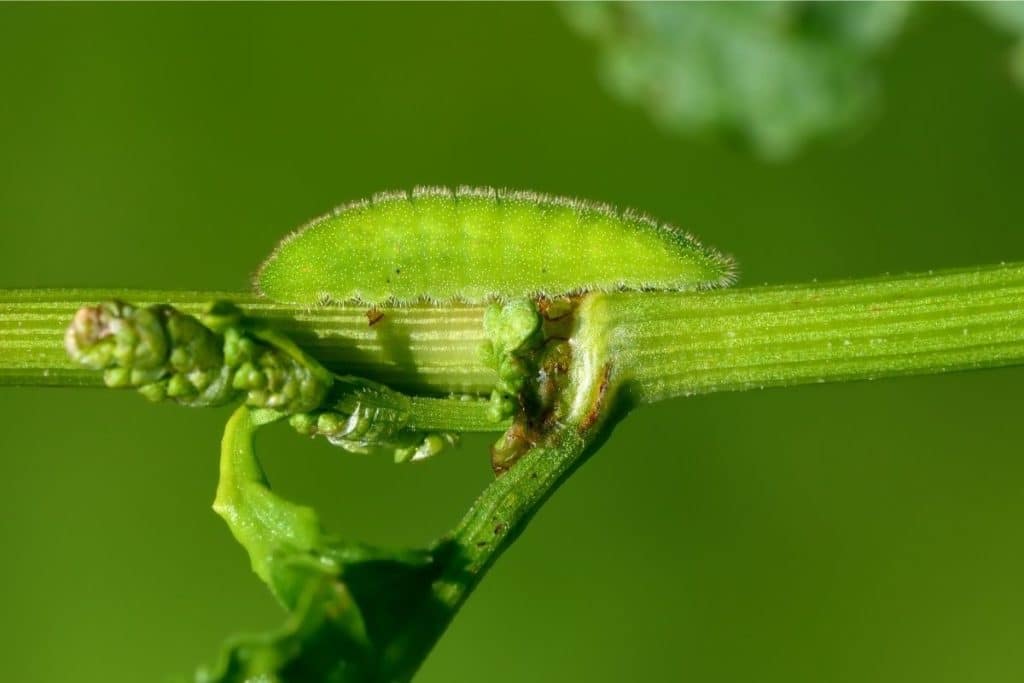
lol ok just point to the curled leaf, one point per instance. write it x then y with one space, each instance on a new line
346 601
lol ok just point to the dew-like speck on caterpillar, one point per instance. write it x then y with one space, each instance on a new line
478 244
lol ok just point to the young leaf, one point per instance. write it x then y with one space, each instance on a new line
345 600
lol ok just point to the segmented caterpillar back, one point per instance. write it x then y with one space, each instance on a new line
480 244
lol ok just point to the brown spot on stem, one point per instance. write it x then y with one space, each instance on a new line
555 309
594 413
373 316
518 439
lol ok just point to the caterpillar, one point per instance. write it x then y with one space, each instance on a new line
478 244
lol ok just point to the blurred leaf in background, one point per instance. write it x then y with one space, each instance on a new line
1009 16
775 74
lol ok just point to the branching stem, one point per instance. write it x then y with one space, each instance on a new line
640 346
665 343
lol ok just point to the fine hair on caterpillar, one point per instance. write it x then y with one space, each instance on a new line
475 245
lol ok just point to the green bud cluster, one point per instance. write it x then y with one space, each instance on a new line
160 351
270 377
167 354
366 417
223 356
528 347
512 330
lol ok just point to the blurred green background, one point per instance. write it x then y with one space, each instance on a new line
828 533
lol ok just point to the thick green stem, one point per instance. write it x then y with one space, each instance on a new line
665 343
682 344
429 350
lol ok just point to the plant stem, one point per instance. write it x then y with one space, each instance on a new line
728 340
665 343
668 344
647 345
586 413
418 349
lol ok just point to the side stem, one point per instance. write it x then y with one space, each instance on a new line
587 414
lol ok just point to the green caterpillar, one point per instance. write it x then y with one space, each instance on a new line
475 245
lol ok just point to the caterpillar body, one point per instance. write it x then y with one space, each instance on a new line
478 244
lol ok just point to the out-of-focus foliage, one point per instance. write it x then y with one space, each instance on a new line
1010 16
776 74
